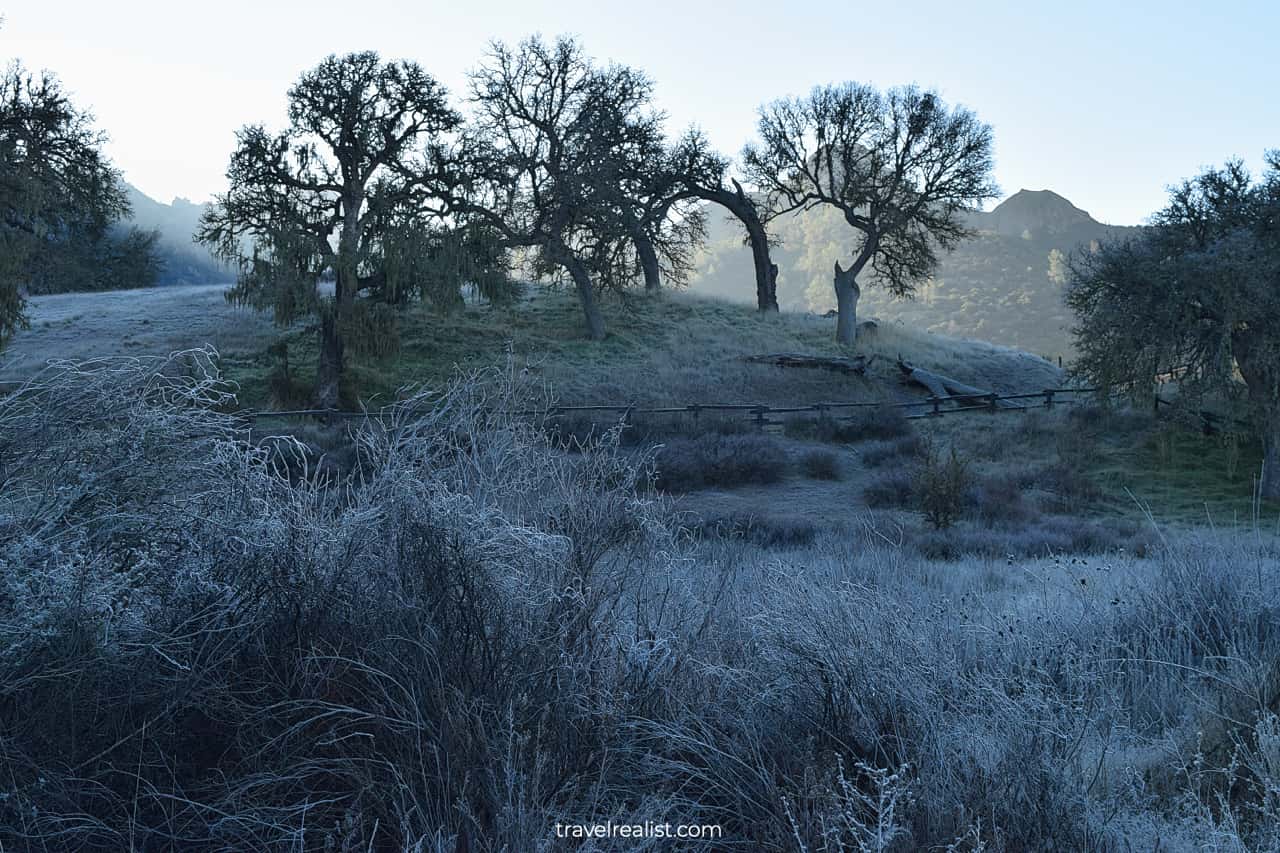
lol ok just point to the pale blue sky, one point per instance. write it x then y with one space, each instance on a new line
1104 102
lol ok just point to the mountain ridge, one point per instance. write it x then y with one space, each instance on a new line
183 261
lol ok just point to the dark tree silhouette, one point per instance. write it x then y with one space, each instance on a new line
352 182
705 174
900 166
543 160
664 223
59 196
1197 296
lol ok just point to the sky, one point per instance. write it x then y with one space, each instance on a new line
1106 103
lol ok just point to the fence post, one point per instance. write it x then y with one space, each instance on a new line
937 407
1048 398
760 410
992 398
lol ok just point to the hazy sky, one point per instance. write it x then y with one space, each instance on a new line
1104 102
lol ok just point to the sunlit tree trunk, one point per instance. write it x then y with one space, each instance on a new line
847 294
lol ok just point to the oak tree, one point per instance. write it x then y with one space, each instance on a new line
342 192
1195 296
900 166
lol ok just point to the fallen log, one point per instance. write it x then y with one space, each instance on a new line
944 386
856 365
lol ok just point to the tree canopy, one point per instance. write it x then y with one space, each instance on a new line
354 189
59 199
900 166
1196 297
554 162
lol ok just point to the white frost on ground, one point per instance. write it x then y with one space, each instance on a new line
151 321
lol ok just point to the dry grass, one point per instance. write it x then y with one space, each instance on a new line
475 636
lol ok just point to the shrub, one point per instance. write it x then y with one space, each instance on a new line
868 423
999 500
720 461
892 489
821 465
764 531
941 487
907 447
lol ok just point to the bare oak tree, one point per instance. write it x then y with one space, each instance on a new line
307 202
900 166
540 163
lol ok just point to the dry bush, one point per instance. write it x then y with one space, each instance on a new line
942 484
864 424
203 649
821 465
472 636
720 461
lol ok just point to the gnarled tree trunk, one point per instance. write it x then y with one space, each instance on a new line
847 294
744 209
648 262
332 361
586 294
329 370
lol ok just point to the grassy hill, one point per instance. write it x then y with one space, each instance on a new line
687 349
683 348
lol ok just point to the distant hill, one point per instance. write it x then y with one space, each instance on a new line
1004 285
184 262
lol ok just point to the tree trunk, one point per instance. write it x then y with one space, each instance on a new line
648 262
742 207
329 370
587 294
1255 358
346 273
847 293
1270 486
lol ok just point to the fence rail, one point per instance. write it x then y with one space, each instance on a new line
759 413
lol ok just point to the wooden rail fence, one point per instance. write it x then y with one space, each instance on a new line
760 414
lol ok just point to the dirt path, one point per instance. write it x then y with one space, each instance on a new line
152 321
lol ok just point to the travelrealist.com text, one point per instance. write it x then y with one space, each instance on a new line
647 829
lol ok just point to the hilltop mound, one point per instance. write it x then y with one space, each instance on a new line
677 350
1033 214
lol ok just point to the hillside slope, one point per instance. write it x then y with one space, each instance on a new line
1004 285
